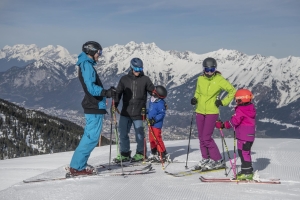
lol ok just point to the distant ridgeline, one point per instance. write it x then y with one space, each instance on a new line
26 132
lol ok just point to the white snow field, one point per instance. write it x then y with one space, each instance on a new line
274 158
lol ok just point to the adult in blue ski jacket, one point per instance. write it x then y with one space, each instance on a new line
94 105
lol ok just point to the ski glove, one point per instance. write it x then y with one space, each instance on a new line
110 93
219 124
151 122
218 103
194 101
227 124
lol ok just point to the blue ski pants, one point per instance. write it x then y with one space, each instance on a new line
125 124
88 142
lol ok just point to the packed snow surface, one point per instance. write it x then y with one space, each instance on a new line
273 158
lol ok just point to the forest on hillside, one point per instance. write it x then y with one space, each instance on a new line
26 132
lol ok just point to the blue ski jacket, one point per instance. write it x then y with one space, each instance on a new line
93 102
157 111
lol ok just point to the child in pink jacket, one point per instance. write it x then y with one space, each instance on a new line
243 121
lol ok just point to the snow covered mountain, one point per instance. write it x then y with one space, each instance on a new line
50 80
20 55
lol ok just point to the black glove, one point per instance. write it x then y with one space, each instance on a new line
218 103
110 93
194 101
151 122
143 112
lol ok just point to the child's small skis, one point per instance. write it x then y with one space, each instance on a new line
256 179
228 180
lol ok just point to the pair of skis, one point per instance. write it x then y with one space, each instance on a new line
106 173
191 172
222 180
228 180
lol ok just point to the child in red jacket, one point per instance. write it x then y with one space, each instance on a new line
243 121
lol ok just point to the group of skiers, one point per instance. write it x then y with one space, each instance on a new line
133 88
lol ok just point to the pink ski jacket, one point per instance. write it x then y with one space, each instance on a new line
243 121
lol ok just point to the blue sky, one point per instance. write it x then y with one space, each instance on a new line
266 27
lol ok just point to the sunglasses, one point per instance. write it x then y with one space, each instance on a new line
209 69
99 52
136 69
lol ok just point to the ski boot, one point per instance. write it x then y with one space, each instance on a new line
88 171
154 158
245 175
241 176
124 156
166 157
211 165
138 157
201 164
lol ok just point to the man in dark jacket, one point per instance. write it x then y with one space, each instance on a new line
94 105
133 87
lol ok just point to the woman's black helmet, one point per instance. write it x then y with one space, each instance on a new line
209 62
91 48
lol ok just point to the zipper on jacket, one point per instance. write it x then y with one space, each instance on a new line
207 94
133 93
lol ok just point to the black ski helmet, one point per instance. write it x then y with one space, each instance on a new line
136 64
91 48
160 91
209 62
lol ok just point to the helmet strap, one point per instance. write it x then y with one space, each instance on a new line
94 58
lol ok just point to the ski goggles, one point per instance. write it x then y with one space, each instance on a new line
99 52
136 69
209 69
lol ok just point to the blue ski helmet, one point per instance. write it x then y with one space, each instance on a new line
136 64
91 48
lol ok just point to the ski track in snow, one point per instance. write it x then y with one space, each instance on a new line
274 158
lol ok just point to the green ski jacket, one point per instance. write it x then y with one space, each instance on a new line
207 90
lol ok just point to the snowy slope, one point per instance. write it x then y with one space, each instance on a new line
274 158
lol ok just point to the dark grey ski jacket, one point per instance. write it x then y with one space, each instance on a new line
134 92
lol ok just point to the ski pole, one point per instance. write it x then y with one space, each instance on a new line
111 130
223 141
145 143
234 152
157 143
188 151
227 150
116 133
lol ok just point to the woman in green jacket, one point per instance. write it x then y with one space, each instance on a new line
209 85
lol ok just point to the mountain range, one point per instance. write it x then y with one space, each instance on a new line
46 79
